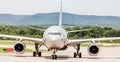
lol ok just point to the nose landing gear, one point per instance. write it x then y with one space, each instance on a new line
54 56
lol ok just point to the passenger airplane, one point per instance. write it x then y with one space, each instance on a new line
55 38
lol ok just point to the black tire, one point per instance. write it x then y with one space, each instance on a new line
80 55
75 54
55 56
34 54
39 54
52 57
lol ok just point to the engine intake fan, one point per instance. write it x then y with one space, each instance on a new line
19 47
93 50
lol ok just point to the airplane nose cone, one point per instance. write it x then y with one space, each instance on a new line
54 38
54 42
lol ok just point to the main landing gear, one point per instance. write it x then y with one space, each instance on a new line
54 56
36 52
77 53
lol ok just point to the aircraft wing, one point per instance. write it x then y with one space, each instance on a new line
78 30
78 41
36 40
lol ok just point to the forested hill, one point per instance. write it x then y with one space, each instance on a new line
52 18
95 32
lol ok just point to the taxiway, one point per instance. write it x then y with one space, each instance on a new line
107 54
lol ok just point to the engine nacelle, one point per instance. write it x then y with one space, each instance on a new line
93 50
19 47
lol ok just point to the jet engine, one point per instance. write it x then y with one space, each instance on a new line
19 47
93 50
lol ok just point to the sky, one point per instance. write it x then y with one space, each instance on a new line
80 7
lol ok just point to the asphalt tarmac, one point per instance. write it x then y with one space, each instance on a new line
107 54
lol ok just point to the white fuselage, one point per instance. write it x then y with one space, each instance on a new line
55 37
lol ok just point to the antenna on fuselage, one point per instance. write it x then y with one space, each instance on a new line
60 16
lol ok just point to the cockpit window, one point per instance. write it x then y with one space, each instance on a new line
54 33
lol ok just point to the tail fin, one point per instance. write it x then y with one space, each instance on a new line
60 16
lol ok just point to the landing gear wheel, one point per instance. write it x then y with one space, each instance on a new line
39 54
80 55
34 54
75 54
54 57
